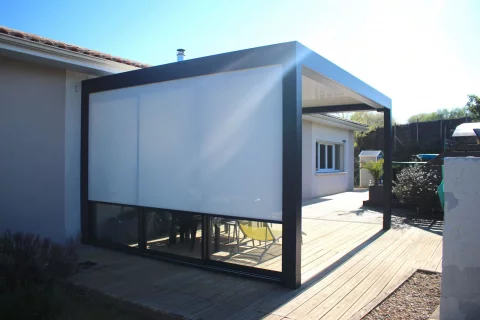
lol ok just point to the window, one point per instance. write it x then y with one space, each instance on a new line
329 157
116 224
174 232
245 242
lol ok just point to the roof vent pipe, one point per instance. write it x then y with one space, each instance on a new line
180 54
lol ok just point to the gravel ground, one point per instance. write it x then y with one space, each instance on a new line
416 299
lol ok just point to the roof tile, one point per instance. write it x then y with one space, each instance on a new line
69 47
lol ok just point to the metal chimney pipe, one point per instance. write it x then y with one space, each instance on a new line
180 54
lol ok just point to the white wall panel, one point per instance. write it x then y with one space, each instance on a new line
209 144
461 259
112 156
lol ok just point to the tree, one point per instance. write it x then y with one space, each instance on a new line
375 169
473 106
441 114
371 119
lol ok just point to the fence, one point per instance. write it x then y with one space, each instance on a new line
413 138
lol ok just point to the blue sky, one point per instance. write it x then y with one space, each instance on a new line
422 54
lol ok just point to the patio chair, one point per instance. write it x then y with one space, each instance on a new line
260 231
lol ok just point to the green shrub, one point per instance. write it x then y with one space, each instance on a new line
375 169
417 186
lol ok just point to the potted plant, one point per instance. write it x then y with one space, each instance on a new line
376 170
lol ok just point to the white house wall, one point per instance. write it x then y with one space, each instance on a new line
307 164
321 184
73 86
40 123
32 127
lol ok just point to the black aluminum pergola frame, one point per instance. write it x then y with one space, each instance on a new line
292 57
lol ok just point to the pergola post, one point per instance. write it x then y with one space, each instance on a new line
292 178
387 168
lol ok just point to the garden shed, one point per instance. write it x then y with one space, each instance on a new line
368 156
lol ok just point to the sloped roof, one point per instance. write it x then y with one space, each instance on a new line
370 153
68 47
346 120
331 120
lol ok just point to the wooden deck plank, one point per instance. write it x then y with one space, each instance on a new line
298 300
329 298
272 317
433 256
429 250
338 245
339 293
286 308
309 246
346 234
366 257
439 266
246 315
369 294
233 291
362 288
410 264
322 264
423 244
342 237
327 289
215 311
436 257
329 237
333 230
309 274
372 285
332 234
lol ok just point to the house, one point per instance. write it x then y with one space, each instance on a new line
239 140
327 154
40 93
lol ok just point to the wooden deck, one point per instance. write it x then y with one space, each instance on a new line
349 265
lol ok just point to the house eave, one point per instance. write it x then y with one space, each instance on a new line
40 53
334 122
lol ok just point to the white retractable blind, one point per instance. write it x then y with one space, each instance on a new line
210 144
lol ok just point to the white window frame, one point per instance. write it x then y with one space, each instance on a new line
317 158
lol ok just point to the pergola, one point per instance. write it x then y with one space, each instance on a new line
292 80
